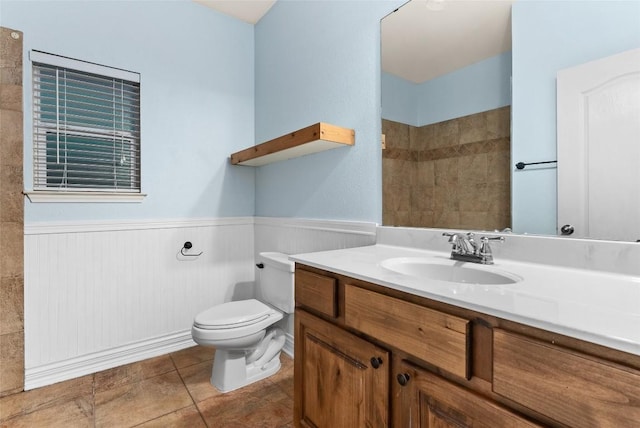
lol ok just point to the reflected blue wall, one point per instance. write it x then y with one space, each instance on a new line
485 85
549 36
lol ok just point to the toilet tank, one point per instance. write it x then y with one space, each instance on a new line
275 280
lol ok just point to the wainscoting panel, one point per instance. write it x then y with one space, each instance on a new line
94 290
99 295
296 236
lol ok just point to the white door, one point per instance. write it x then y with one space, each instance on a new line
599 148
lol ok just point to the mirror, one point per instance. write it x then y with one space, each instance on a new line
454 134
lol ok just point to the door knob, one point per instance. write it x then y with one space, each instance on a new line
567 229
376 362
403 378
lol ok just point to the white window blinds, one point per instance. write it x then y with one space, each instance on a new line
86 126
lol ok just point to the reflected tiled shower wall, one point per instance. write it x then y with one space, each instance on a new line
11 214
451 174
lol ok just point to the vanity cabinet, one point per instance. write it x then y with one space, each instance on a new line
572 388
343 381
372 356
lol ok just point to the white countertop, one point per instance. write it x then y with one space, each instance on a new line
598 307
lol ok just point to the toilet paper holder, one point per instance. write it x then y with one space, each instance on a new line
187 246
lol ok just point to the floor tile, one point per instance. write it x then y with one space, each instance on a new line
197 378
77 412
269 415
193 355
188 417
138 402
261 403
134 372
48 396
153 393
284 377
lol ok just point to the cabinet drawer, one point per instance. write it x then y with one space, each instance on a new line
433 336
427 400
316 292
571 388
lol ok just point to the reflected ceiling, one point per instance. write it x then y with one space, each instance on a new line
461 33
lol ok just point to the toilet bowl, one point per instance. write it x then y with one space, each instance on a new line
247 342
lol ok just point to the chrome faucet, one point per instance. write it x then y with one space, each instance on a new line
465 248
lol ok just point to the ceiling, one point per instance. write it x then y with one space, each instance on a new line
418 42
246 10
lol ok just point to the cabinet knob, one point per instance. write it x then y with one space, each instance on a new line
403 378
376 362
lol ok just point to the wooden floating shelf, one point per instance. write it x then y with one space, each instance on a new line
312 139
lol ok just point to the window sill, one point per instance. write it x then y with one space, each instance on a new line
37 196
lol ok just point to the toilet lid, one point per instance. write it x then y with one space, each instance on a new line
233 314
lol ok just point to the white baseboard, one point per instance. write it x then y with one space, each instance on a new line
288 345
48 374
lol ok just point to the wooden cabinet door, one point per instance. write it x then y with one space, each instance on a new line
429 401
340 379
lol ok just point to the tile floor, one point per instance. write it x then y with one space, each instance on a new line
168 391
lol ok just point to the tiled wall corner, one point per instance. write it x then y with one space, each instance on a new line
451 174
11 214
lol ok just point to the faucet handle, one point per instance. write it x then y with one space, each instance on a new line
453 237
485 248
456 240
486 239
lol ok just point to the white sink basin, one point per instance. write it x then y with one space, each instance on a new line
450 271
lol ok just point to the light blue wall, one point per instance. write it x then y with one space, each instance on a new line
485 85
399 99
549 36
197 72
320 61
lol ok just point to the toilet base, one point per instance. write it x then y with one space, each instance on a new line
233 369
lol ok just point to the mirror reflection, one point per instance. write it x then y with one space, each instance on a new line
454 86
446 115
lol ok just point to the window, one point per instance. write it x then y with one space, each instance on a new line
86 127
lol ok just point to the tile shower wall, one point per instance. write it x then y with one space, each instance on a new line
11 214
451 174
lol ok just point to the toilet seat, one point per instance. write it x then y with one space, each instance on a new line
233 315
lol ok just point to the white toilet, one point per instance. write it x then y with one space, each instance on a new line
247 343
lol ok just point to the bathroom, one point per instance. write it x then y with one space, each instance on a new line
103 282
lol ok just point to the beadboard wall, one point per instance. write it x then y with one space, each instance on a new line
99 295
296 236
